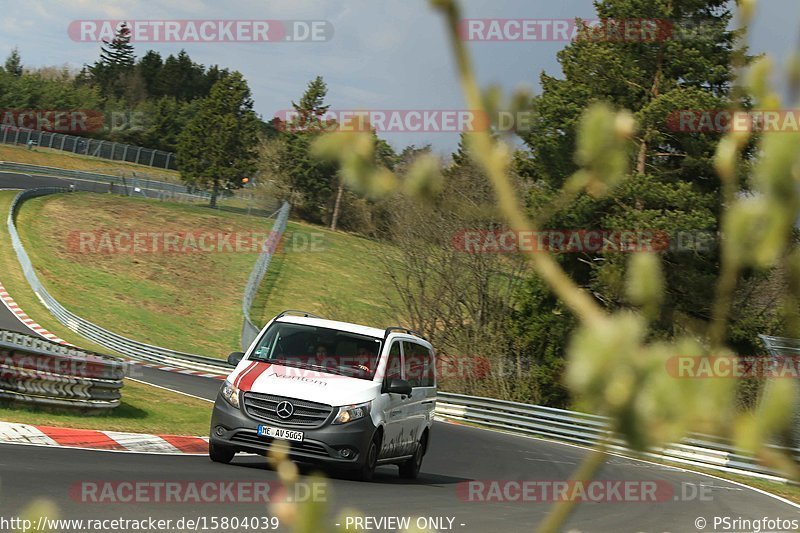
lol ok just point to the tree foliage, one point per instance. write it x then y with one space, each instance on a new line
13 64
218 147
673 188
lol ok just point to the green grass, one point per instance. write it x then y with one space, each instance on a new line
144 409
335 275
183 301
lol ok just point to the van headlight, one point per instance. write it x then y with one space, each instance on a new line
349 413
230 393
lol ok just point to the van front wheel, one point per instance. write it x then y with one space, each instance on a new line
219 454
410 468
367 471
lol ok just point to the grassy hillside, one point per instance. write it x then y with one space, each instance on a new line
12 278
184 301
341 278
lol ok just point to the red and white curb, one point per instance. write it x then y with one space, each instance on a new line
12 306
28 322
11 433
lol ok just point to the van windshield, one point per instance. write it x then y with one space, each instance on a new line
317 349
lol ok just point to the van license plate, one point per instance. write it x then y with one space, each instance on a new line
280 433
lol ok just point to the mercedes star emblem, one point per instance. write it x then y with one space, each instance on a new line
285 410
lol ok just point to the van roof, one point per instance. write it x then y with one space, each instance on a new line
333 324
341 326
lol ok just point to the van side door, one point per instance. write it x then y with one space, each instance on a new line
392 405
418 367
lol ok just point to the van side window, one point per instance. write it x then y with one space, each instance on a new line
418 365
430 370
394 365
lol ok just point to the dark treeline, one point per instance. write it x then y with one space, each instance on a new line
145 101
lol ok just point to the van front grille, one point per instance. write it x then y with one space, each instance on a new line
305 414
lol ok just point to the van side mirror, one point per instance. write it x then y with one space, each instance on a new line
399 386
235 358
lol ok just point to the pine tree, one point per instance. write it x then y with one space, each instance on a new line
116 64
653 77
312 106
312 180
149 68
217 148
118 52
13 63
182 78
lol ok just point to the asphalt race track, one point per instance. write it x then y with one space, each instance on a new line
11 180
457 455
9 322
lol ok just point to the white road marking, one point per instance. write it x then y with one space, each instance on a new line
171 390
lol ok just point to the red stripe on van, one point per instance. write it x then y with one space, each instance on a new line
247 369
247 383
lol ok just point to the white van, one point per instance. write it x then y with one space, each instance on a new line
346 395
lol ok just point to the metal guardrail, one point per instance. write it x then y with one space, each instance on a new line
96 182
39 372
249 330
87 329
145 187
585 429
783 348
88 146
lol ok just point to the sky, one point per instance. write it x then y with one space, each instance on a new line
383 55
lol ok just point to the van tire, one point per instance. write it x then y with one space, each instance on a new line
220 454
410 468
367 470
